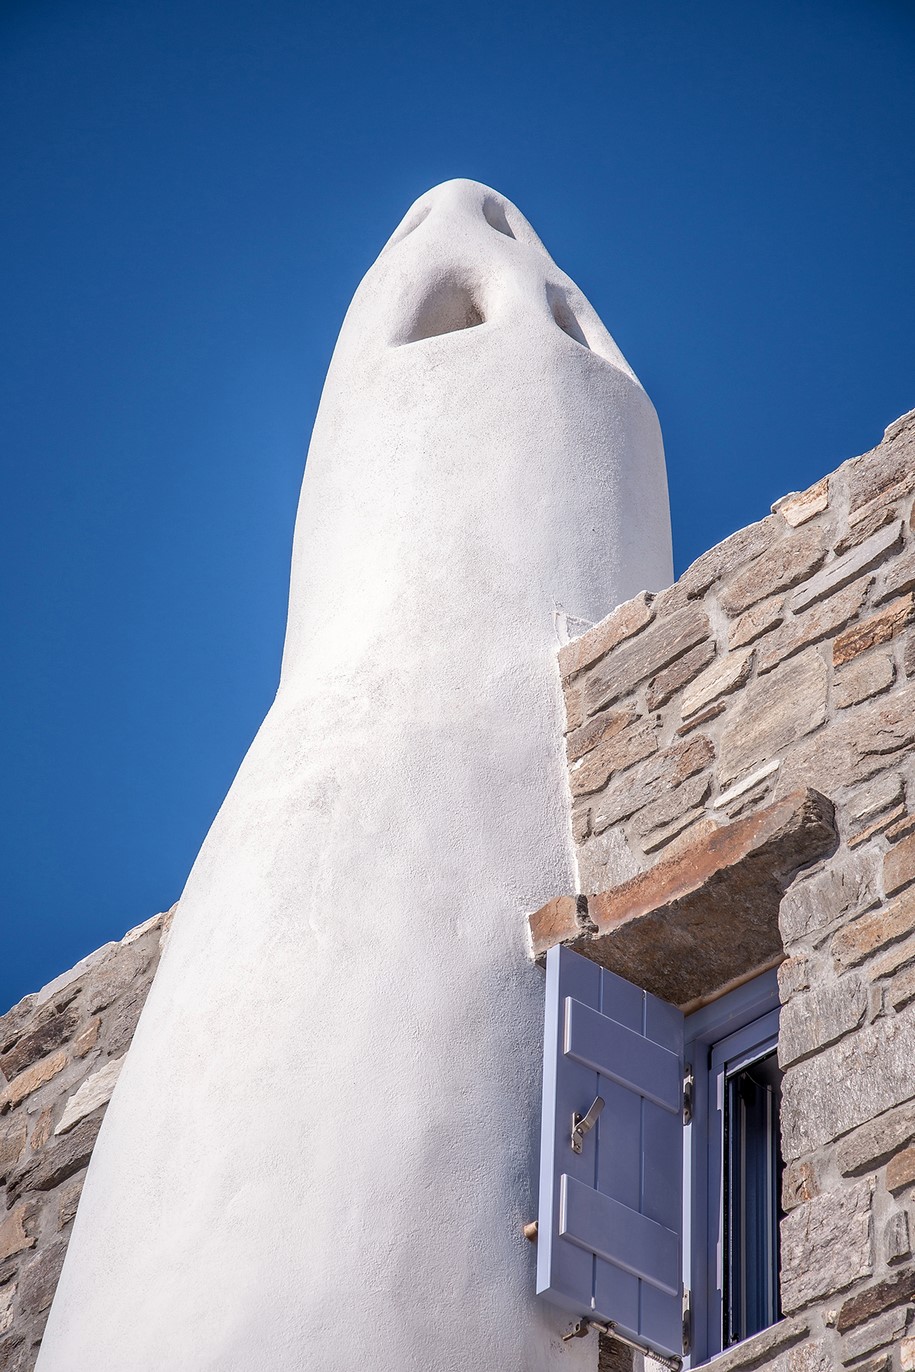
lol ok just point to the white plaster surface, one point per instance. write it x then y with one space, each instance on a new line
322 1145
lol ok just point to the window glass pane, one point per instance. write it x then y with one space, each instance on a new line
752 1195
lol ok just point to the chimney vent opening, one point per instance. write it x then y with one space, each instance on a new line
565 316
451 305
495 216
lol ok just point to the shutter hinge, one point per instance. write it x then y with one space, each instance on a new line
687 1321
689 1086
583 1326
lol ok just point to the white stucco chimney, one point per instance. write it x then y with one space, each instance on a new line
322 1146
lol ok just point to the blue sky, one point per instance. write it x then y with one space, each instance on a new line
192 193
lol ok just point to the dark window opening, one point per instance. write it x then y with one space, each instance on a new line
734 1151
752 1197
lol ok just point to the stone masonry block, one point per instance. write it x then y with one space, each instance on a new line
574 700
773 712
885 1295
884 792
673 810
86 1041
738 793
879 628
605 859
33 1077
56 1162
838 891
666 684
901 991
799 1184
695 921
614 754
879 825
901 828
900 1171
844 1086
908 657
887 471
7 1295
581 823
885 1329
818 622
897 577
855 942
703 717
699 827
786 563
94 1092
897 1243
13 1237
758 620
593 732
827 1245
819 1017
863 678
120 973
812 1356
622 623
68 1199
122 1021
899 865
723 677
849 567
160 922
652 778
13 1133
16 1022
855 746
13 1353
726 557
613 1356
864 522
800 506
793 976
893 957
40 1277
660 644
682 829
42 1131
49 1032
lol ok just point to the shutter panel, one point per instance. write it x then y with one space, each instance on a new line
610 1232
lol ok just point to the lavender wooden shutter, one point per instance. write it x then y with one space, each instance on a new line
609 1242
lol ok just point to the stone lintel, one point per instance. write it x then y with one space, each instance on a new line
705 919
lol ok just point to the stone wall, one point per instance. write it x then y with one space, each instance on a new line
779 658
60 1053
741 764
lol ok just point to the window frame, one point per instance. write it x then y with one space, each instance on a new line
741 1023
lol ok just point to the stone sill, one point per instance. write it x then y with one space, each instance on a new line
755 1352
699 923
